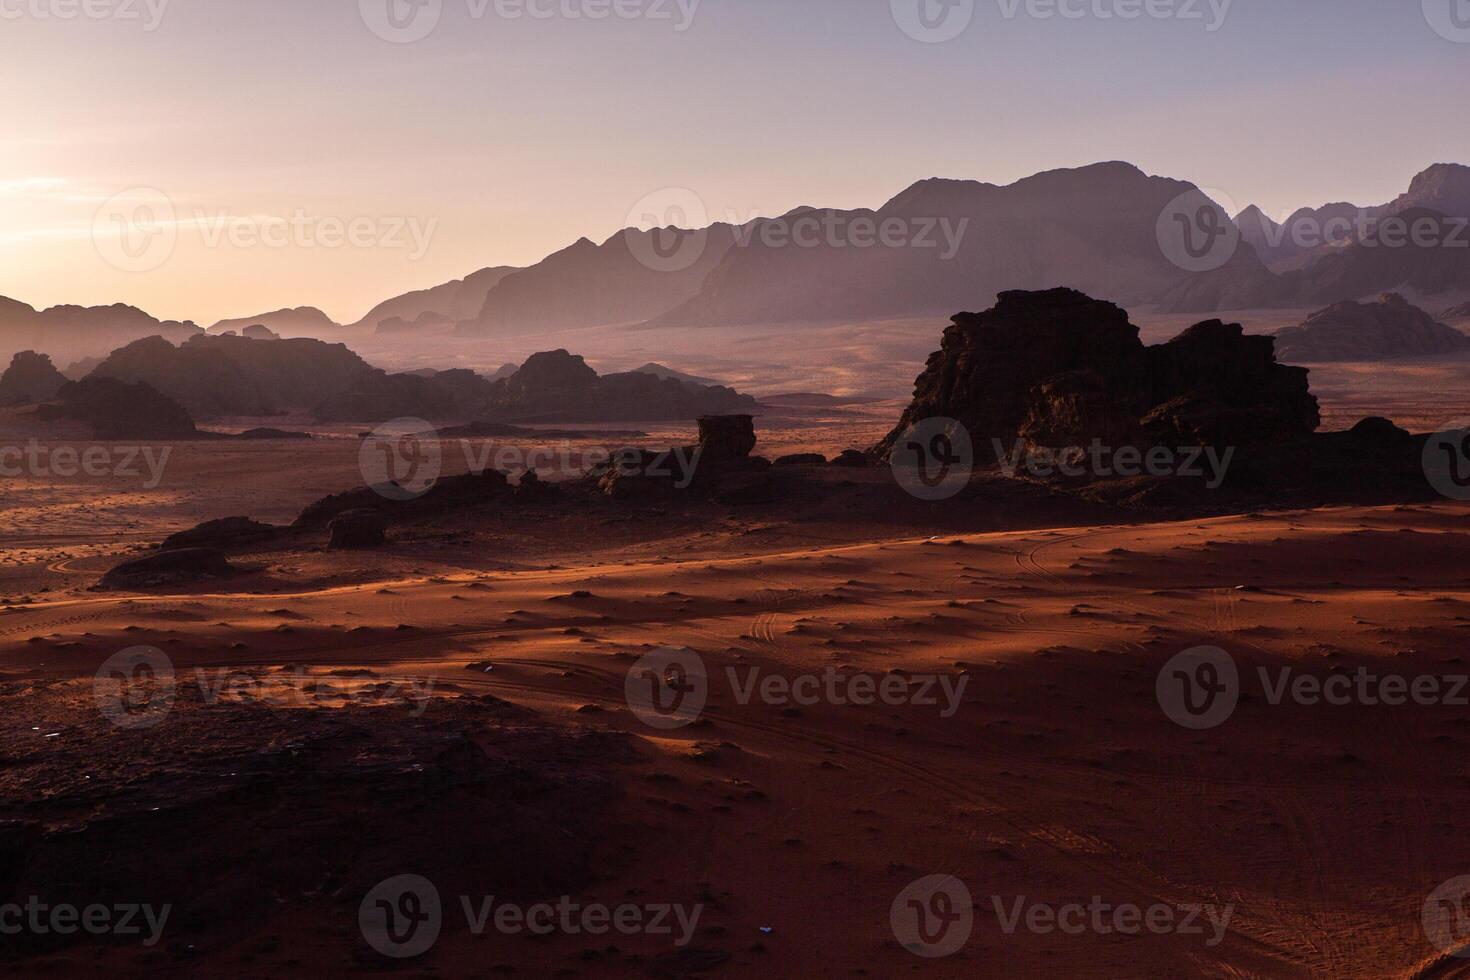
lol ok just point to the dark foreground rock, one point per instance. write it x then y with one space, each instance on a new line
175 567
724 437
397 503
357 529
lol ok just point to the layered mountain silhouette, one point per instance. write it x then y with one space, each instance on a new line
444 305
70 333
1418 244
627 279
554 386
937 246
951 241
232 375
1390 328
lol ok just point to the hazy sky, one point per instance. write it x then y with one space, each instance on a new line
497 139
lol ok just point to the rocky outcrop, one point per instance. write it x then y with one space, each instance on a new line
216 376
221 534
1460 312
1059 369
1390 328
1236 393
175 567
557 386
117 410
724 437
31 378
444 495
259 331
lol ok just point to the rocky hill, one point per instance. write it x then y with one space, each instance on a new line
557 386
1349 331
231 375
303 321
1059 369
31 378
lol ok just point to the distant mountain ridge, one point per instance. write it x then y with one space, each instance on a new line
447 304
936 246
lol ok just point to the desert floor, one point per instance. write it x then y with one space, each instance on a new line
327 704
1057 777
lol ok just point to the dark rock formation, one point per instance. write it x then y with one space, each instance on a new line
447 494
802 459
174 567
221 534
556 386
378 396
30 378
532 489
853 459
1392 327
357 529
215 376
1059 369
723 437
259 331
1460 312
1234 391
116 410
